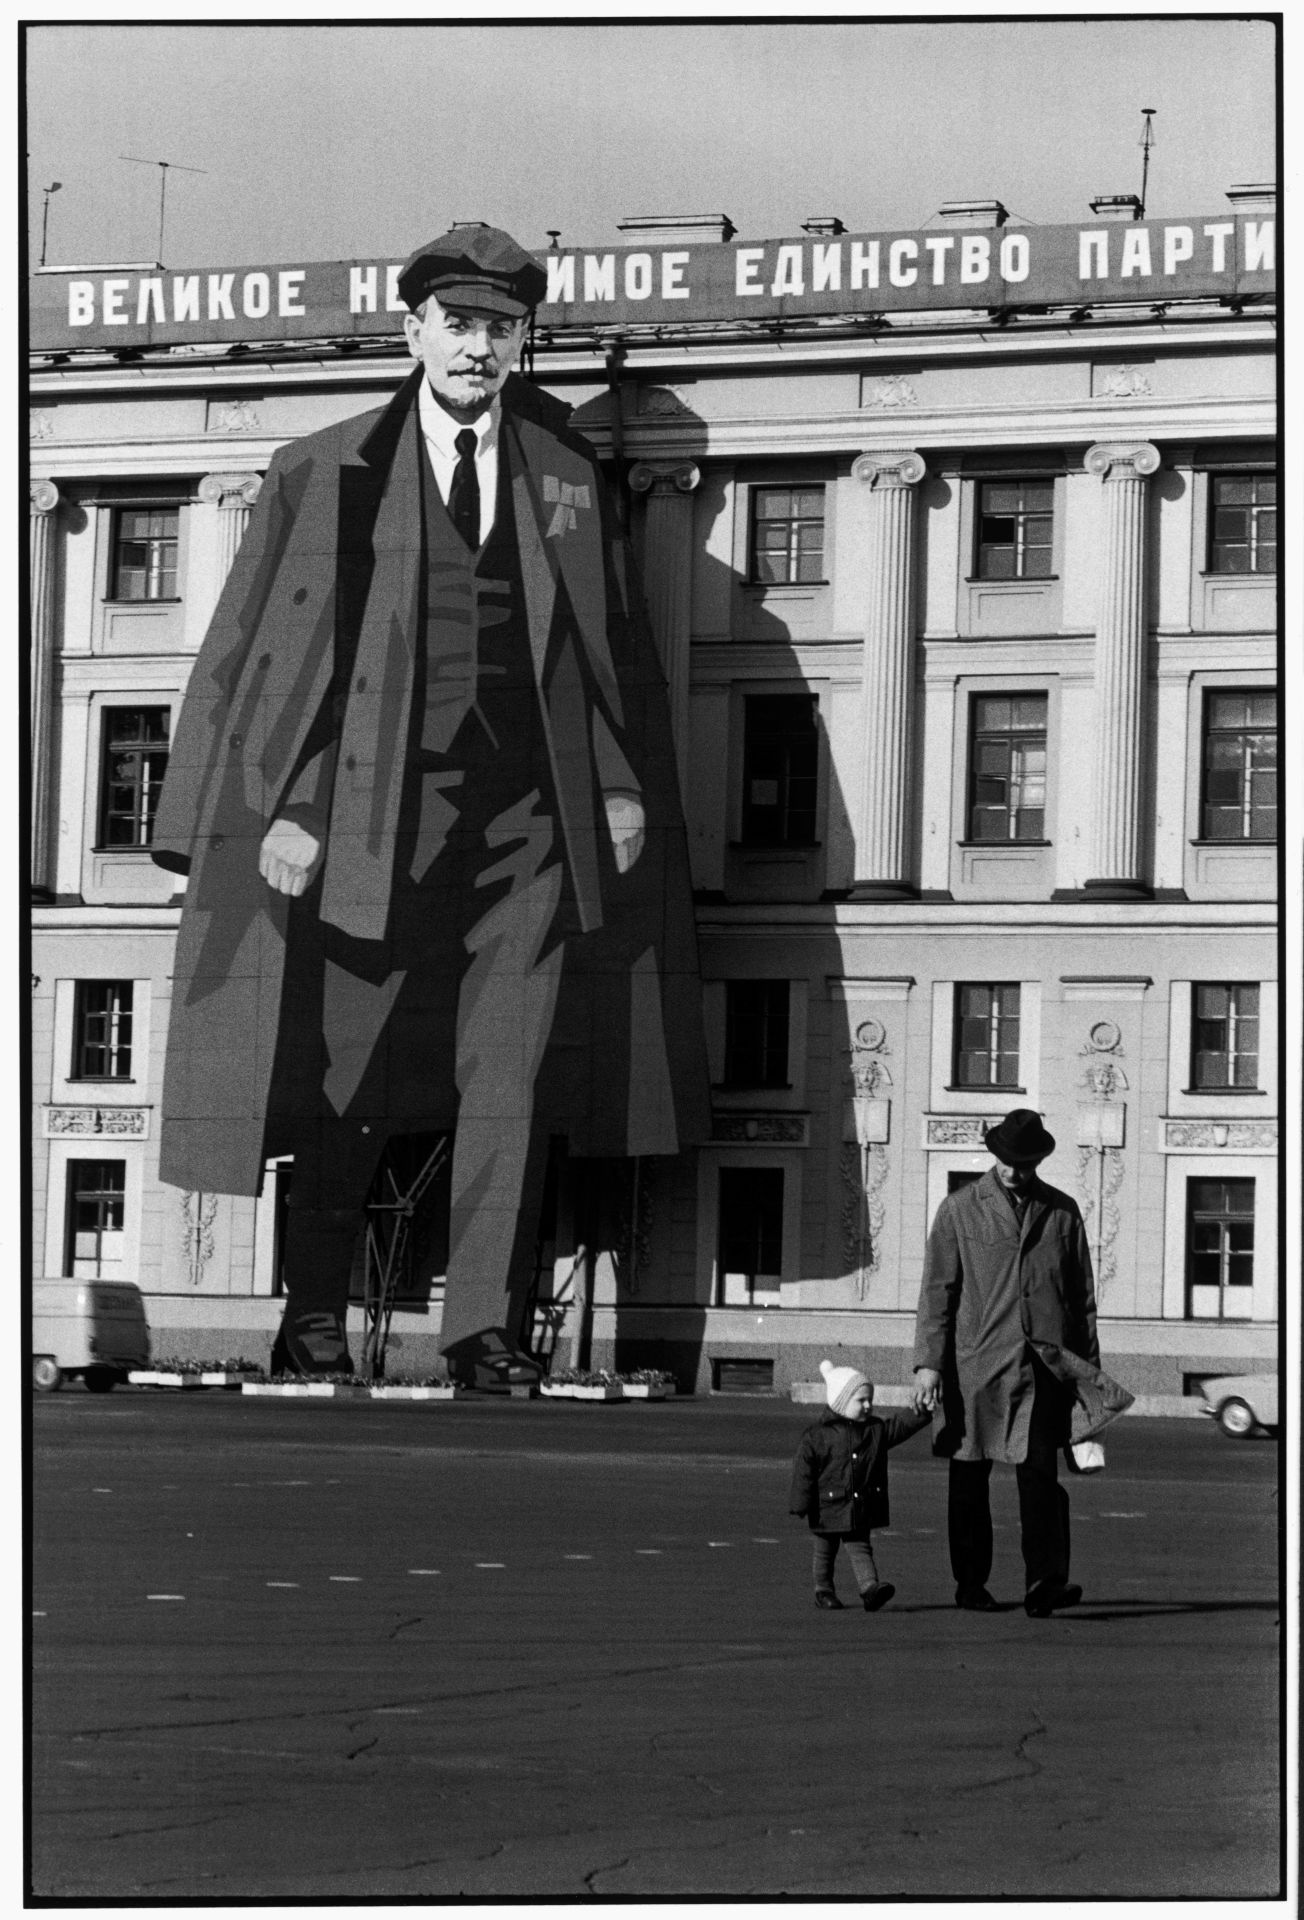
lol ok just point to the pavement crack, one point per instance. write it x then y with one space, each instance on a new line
613 1866
415 1621
1028 1767
366 1747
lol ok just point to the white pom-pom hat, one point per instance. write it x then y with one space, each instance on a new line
840 1383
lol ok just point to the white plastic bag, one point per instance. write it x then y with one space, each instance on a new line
1086 1456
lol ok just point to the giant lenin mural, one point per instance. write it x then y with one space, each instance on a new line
424 791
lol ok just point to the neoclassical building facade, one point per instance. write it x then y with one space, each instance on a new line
969 620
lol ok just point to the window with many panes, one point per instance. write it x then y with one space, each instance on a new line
986 1052
751 1234
1016 522
756 1033
780 769
1219 1249
145 553
787 534
1239 788
1243 523
97 1191
101 1048
135 759
1224 1035
1007 767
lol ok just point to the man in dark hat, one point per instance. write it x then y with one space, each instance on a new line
1007 1360
423 786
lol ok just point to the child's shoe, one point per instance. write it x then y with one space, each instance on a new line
825 1597
877 1596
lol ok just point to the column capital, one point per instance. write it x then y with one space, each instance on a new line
891 467
1123 459
676 476
42 496
230 490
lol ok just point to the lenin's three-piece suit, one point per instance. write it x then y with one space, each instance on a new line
448 723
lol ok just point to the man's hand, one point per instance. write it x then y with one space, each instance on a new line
288 857
625 821
928 1389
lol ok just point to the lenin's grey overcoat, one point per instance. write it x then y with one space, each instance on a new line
301 698
990 1293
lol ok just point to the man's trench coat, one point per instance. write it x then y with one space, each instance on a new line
301 697
991 1292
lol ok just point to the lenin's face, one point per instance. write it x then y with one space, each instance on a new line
467 353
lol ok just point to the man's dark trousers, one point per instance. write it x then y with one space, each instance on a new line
468 978
1043 1503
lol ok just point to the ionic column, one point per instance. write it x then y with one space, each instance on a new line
887 677
1115 867
43 498
668 578
233 494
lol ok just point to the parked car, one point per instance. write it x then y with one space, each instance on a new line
95 1329
1242 1403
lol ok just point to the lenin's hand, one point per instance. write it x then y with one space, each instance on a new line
928 1389
288 857
625 822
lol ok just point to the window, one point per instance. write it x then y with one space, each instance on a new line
96 1198
780 767
1007 767
1239 799
1243 523
756 1033
787 534
101 1048
986 1034
1224 1036
145 553
751 1234
1015 526
1219 1249
135 760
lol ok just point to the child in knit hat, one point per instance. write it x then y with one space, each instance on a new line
839 1481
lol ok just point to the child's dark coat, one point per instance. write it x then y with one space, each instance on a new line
839 1478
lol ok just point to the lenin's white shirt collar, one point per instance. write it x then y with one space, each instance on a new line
440 431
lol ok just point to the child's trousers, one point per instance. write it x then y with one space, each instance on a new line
859 1552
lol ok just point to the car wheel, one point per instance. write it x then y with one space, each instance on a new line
46 1377
100 1379
1236 1419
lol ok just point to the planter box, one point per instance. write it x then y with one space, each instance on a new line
145 1377
226 1377
568 1390
411 1393
647 1389
304 1390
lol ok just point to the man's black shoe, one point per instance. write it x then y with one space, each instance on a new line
825 1597
976 1600
492 1362
311 1341
877 1596
1047 1596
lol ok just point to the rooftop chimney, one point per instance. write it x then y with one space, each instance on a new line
823 224
1261 197
1116 206
972 213
676 229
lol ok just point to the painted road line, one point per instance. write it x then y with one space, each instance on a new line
719 1543
38 1613
398 1709
1122 1516
423 1570
649 1550
577 1556
281 1583
165 1596
487 1565
346 1579
763 1540
101 1489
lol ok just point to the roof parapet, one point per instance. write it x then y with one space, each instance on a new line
1116 206
1257 197
972 213
669 229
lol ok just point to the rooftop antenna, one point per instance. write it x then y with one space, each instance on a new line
1146 141
163 166
53 187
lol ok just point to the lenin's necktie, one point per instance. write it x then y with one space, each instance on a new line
464 494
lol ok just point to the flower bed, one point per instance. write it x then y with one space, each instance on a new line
434 1390
575 1383
170 1372
308 1389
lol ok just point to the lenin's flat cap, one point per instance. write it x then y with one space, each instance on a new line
474 266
